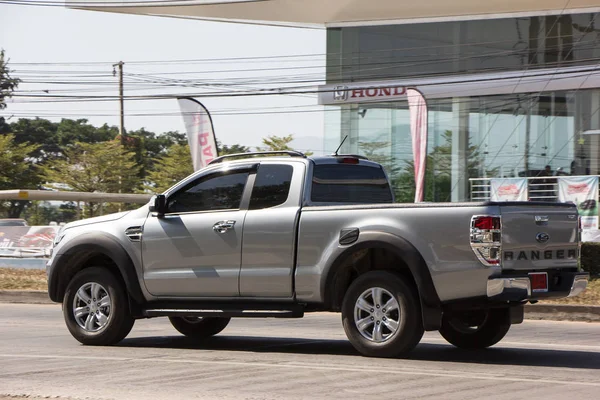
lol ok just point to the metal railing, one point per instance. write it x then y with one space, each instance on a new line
25 252
539 188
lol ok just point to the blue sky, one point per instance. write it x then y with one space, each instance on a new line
58 35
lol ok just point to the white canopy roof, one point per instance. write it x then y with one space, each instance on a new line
332 13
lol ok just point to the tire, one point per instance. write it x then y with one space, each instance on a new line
476 330
199 327
375 339
102 322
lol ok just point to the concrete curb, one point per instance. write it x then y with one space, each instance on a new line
555 312
25 296
563 312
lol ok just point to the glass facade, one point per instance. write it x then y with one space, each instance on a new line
469 137
383 52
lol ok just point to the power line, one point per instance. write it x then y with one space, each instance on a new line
348 55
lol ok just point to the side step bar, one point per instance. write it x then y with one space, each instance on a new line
170 312
244 309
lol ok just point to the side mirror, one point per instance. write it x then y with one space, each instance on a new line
158 204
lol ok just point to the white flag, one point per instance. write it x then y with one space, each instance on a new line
200 132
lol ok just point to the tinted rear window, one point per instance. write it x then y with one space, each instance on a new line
271 187
346 183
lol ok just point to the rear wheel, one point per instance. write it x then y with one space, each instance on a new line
381 315
96 309
476 329
199 327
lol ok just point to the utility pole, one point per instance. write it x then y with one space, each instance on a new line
122 125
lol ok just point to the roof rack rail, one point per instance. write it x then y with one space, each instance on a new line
350 155
291 153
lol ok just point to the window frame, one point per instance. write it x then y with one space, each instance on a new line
225 170
290 188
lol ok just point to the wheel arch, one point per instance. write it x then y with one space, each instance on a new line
406 261
93 250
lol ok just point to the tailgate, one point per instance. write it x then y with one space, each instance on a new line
538 236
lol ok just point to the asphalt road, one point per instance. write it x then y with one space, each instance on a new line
279 359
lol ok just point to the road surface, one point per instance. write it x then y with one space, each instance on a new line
306 358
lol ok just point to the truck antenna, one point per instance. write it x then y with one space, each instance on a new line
340 146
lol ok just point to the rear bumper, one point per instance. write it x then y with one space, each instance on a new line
518 287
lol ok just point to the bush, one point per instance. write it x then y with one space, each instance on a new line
590 258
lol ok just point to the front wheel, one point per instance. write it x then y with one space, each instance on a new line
476 329
381 315
199 327
96 308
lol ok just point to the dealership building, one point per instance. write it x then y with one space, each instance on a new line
511 86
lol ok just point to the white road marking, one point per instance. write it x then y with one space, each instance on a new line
527 345
310 366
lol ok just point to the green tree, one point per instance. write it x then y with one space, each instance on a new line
233 149
104 167
169 169
71 131
95 167
40 132
147 147
438 172
18 170
176 137
52 137
7 83
278 143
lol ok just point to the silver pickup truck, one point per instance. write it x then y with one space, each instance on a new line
281 235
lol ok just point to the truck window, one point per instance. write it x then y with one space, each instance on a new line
213 192
346 183
271 187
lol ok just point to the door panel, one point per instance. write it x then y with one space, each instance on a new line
184 256
268 252
195 249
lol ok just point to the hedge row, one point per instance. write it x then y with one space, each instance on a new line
590 258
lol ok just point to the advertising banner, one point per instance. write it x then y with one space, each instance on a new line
582 191
26 241
417 107
508 189
200 132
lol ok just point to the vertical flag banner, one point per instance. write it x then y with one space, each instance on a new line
200 132
508 189
582 191
417 108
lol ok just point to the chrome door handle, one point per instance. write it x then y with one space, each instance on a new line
223 226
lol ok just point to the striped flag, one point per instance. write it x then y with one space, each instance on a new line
417 108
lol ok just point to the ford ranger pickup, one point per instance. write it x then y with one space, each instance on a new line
282 234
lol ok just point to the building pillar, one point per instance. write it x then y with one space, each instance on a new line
349 126
349 71
460 143
594 139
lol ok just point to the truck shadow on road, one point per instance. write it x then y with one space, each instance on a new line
423 352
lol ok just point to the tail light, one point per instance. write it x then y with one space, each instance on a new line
348 160
486 239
